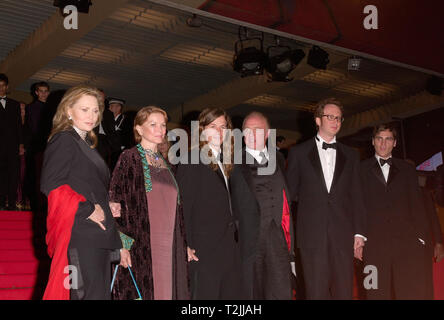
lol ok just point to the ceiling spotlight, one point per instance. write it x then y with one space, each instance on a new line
354 63
279 66
82 5
318 58
249 61
194 21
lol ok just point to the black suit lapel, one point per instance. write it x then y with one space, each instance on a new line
316 163
221 176
339 166
246 169
95 158
377 171
393 172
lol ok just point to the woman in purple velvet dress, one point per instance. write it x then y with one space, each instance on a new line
147 205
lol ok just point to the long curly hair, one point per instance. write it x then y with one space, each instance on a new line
61 121
207 116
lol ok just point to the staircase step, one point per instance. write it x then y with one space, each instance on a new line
18 267
16 244
18 255
16 294
15 234
13 281
15 215
16 224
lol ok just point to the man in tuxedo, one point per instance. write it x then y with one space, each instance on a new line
106 133
11 145
280 141
36 133
261 206
122 128
323 178
398 230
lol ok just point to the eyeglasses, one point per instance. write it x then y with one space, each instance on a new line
331 117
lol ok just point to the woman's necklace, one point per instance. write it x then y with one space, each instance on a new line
152 154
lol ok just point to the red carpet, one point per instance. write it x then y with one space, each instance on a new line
22 257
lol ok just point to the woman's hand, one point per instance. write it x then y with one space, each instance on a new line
115 209
98 216
191 254
125 258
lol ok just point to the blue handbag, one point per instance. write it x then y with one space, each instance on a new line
132 276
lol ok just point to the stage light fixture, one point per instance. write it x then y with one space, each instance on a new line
318 58
280 65
354 63
82 5
194 22
249 61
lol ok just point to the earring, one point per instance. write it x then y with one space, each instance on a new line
69 118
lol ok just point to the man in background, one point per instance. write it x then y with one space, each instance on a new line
11 145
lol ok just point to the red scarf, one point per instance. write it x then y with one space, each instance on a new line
63 203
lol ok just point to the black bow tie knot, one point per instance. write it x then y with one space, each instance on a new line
389 161
326 145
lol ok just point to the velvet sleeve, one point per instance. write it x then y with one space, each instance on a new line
120 191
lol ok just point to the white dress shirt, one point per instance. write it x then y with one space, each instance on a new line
385 168
328 160
3 101
256 154
328 163
221 167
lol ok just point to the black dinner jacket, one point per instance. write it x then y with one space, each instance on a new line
11 133
323 216
246 207
209 222
395 208
69 160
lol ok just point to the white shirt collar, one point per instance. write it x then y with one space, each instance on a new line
81 133
378 157
319 140
255 153
214 151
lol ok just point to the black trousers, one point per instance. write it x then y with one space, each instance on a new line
328 273
217 277
401 270
9 175
93 268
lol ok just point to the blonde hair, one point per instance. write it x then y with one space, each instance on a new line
207 116
142 116
61 121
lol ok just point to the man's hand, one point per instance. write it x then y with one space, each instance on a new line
191 254
438 252
358 247
21 149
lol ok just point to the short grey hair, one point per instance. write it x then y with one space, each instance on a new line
258 115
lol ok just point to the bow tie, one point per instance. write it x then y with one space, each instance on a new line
326 145
3 98
389 161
